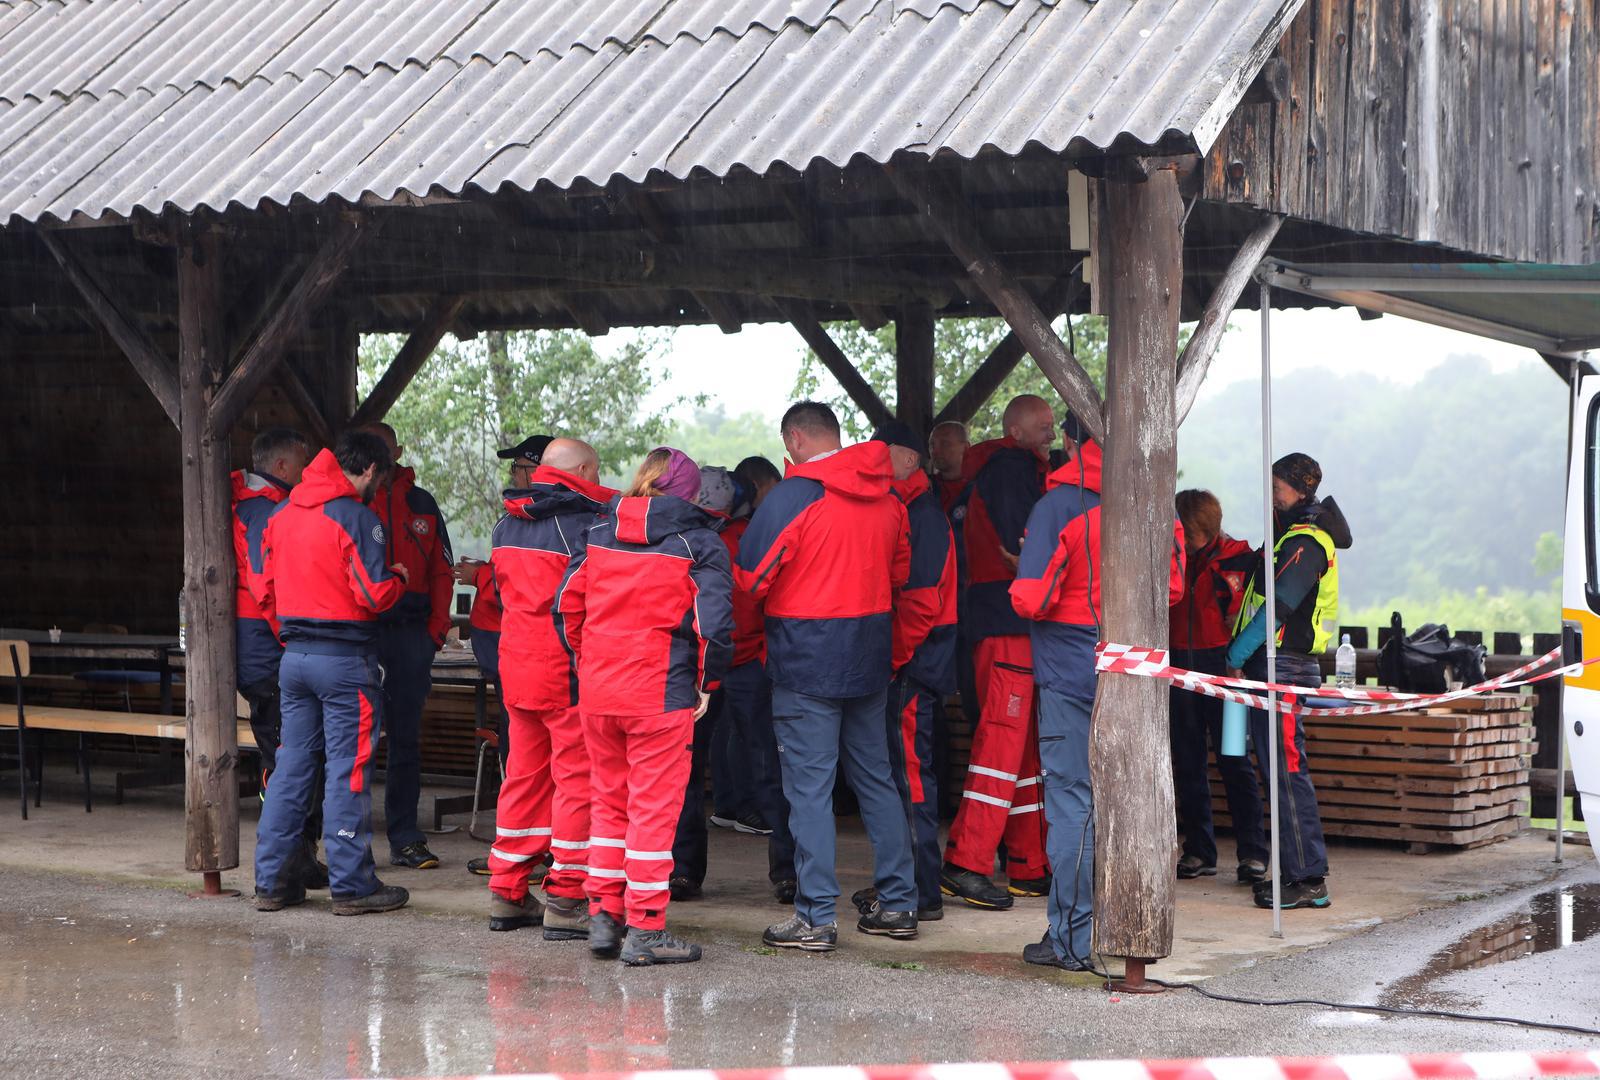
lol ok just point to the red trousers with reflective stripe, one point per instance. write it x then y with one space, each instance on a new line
543 805
1002 800
640 769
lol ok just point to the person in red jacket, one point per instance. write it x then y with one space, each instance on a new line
325 580
1202 628
410 634
648 612
948 444
1058 591
999 801
544 804
824 554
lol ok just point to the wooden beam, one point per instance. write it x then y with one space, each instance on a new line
211 785
953 220
268 343
651 219
721 309
589 313
150 362
1135 833
1004 357
305 403
803 214
870 316
1202 346
834 359
436 322
913 368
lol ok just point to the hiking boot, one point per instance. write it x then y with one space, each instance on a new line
799 934
416 856
292 898
514 914
1252 871
681 888
566 918
974 888
1029 886
479 866
752 824
783 891
884 923
313 871
605 935
1310 893
864 899
724 821
643 948
1043 953
1192 866
384 898
930 914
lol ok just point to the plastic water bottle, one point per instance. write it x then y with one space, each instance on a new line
1344 664
1233 729
183 621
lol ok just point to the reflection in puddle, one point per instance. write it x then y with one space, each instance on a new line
1553 919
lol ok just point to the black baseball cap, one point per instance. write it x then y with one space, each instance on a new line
896 433
532 448
1074 429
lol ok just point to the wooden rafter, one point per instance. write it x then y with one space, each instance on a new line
913 367
436 322
722 309
305 402
1202 345
834 359
1004 357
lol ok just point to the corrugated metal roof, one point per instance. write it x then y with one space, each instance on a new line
113 105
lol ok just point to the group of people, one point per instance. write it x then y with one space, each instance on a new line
799 628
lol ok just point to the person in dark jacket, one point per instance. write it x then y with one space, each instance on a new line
545 802
1000 799
923 661
648 612
325 581
1202 622
1308 534
948 444
410 635
824 554
1058 591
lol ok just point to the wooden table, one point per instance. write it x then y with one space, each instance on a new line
148 648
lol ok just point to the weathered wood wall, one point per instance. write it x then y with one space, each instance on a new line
1470 123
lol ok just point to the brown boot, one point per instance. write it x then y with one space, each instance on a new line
565 918
514 914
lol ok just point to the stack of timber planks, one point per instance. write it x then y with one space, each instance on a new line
1454 776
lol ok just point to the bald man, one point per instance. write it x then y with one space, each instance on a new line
1001 797
544 801
409 634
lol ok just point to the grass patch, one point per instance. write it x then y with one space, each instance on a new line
898 965
761 950
1462 898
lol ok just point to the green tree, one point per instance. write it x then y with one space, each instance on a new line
474 397
713 437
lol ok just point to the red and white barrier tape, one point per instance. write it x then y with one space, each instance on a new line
1500 1065
1156 664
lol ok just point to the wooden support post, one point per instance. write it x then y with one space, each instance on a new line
436 322
870 316
1130 760
1213 324
211 788
1004 357
951 217
305 402
913 367
588 312
834 359
721 309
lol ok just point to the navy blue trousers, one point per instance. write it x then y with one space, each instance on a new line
333 707
1069 815
1197 723
1301 848
815 736
913 710
406 652
689 843
748 700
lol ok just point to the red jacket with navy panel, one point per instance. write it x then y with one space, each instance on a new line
1007 480
486 601
256 647
824 553
1058 581
325 574
419 542
648 608
749 624
1215 577
925 606
544 533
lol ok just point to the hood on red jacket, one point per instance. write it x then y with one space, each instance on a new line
322 482
551 491
254 485
860 471
651 519
912 487
1086 465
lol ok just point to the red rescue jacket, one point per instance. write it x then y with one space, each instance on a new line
1006 482
255 497
325 574
417 539
749 622
648 609
486 601
1203 616
925 607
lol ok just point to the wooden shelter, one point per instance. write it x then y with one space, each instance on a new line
201 209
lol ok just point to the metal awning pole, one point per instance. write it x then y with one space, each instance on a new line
1270 576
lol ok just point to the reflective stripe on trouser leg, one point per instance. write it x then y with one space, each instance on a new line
999 749
658 753
1025 821
608 814
569 805
1069 805
522 811
352 721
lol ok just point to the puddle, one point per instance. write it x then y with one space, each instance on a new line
1553 919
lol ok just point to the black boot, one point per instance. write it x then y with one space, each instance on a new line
974 888
384 898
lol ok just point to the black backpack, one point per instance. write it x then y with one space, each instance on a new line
1425 661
